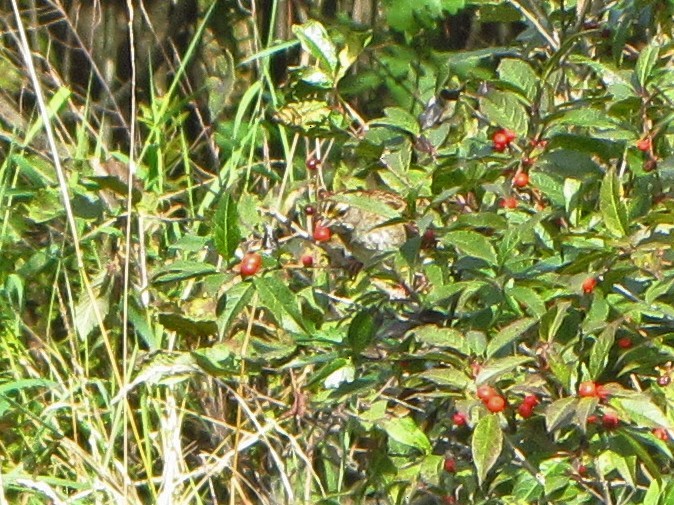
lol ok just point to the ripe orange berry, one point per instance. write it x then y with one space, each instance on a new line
587 389
322 233
521 179
500 137
509 202
661 433
496 404
250 264
644 144
589 284
485 392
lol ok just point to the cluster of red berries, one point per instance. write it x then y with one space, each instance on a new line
609 420
491 398
502 139
526 408
250 264
589 389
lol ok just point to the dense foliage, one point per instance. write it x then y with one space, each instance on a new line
414 276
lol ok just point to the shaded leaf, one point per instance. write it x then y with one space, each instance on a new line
560 412
226 233
493 369
601 349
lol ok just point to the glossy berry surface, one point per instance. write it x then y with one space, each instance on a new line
525 410
587 389
644 144
589 284
496 404
322 233
664 380
459 419
485 392
661 433
531 400
449 465
509 202
310 210
250 264
308 260
521 179
313 163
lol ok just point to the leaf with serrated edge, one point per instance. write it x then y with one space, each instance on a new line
486 444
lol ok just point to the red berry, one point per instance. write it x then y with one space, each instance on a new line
498 147
509 202
625 343
527 162
448 499
661 433
521 179
526 410
322 233
500 137
582 470
459 419
310 210
587 389
644 144
496 404
592 419
485 392
510 135
664 380
250 264
589 284
308 260
602 393
610 421
428 239
450 465
531 400
313 163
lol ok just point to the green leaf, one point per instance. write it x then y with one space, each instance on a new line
473 244
652 496
601 349
495 368
643 412
612 209
505 110
315 40
182 270
560 412
398 118
520 74
648 57
449 377
226 233
441 337
585 408
230 305
361 331
509 334
276 297
486 445
405 431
